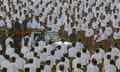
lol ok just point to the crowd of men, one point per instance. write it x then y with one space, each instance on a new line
95 23
88 17
44 57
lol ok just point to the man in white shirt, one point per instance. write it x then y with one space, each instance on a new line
61 67
59 53
52 59
36 61
102 51
89 32
79 45
64 46
109 32
85 56
77 60
116 35
2 58
29 24
37 48
117 62
12 67
115 21
25 49
50 21
1 22
95 25
78 68
72 51
104 38
10 50
110 67
9 22
30 66
89 35
97 55
115 50
107 60
92 67
47 67
8 40
44 55
84 25
42 44
20 62
49 47
6 62
66 67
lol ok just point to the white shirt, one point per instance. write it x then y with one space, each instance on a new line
72 52
25 51
37 50
31 67
47 68
116 35
117 63
29 25
102 52
43 57
54 28
64 48
115 23
108 31
20 63
109 53
2 58
98 57
12 67
34 23
104 36
89 32
58 54
29 55
50 22
41 45
115 51
36 62
9 22
2 23
67 61
110 68
5 64
106 62
92 68
76 61
49 49
52 60
67 27
78 70
10 51
66 67
79 46
95 25
85 57
84 26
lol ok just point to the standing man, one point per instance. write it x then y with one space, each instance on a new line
89 36
97 39
73 36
